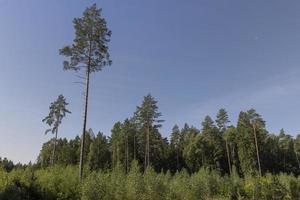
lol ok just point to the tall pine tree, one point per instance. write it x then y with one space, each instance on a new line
89 52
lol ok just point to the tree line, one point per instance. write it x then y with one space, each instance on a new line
247 148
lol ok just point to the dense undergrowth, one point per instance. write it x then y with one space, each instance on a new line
61 182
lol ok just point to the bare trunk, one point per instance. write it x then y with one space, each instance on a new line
54 148
86 96
257 152
228 157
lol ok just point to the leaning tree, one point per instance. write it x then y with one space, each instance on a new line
89 52
57 112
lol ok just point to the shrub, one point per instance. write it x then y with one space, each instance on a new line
134 183
19 184
62 183
154 187
59 182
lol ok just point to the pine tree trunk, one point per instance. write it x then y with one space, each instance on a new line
257 152
86 96
134 148
127 153
297 159
177 158
284 162
113 156
118 156
228 157
148 146
54 148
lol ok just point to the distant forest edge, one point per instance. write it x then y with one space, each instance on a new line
218 162
216 146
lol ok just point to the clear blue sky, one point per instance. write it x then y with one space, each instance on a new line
194 56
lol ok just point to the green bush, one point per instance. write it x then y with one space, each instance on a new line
154 187
178 186
105 185
62 183
19 184
134 183
234 186
59 182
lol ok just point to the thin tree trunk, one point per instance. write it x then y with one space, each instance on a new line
148 148
228 157
127 153
134 148
113 156
54 148
297 159
257 153
177 158
86 96
118 156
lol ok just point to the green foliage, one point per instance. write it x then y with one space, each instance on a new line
67 152
57 112
89 48
219 148
222 120
19 184
7 165
95 187
154 187
147 118
60 182
134 182
250 125
214 145
99 155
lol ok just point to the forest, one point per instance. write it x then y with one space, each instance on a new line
212 160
